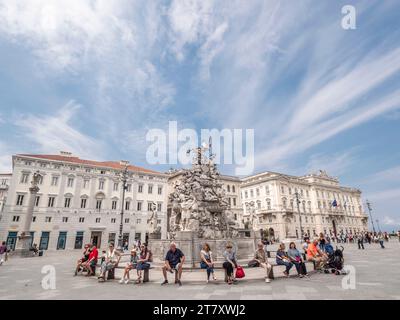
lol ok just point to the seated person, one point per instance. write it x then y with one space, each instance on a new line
262 259
316 255
35 249
143 262
283 259
207 261
111 261
91 263
230 263
81 261
296 259
132 264
173 261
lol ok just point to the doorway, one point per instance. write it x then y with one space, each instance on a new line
95 238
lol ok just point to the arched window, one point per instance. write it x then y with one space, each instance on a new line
268 204
284 203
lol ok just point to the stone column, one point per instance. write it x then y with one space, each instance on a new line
24 240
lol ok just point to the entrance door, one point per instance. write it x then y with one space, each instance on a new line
44 240
12 240
62 239
95 238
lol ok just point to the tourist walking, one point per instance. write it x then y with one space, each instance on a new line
173 262
381 239
283 259
261 257
230 262
360 240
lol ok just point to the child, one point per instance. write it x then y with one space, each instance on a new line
131 265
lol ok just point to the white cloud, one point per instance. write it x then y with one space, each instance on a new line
337 163
51 134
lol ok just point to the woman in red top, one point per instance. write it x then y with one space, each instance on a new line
90 265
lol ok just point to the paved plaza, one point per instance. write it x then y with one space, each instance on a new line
377 276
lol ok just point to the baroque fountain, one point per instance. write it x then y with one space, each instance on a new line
200 213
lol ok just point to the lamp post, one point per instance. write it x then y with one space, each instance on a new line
298 209
25 239
124 178
379 227
370 215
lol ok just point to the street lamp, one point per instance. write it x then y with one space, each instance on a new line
298 209
370 215
379 227
124 178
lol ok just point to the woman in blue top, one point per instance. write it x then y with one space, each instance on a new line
207 261
283 259
230 262
295 258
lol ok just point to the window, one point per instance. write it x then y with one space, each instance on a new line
258 204
282 189
40 180
70 182
114 205
85 184
251 193
228 188
139 206
101 185
24 178
159 205
116 186
15 218
50 203
246 195
138 221
267 190
149 206
127 205
98 220
83 203
81 219
150 189
43 165
159 190
79 240
268 204
54 181
233 189
47 219
20 199
33 219
98 204
290 190
234 201
113 220
102 172
140 188
129 187
67 202
257 192
37 200
65 219
126 220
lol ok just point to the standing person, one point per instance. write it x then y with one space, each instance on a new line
132 264
111 261
230 262
283 259
398 235
381 238
3 252
207 261
360 240
322 241
261 257
143 262
173 261
295 258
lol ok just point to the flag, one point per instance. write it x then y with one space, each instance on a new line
334 203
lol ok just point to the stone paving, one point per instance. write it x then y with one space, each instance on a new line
377 276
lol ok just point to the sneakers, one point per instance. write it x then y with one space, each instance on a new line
165 282
267 280
121 281
179 283
126 281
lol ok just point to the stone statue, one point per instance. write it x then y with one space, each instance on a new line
198 201
153 220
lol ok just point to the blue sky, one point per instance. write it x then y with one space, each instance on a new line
92 77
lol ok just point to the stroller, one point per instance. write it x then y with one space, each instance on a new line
335 260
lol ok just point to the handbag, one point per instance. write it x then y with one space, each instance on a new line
239 272
253 264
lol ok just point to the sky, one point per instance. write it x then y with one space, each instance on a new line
92 77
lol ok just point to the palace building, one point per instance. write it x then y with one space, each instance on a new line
80 201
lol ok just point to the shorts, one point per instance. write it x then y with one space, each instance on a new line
176 267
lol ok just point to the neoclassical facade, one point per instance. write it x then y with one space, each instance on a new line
80 201
270 203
